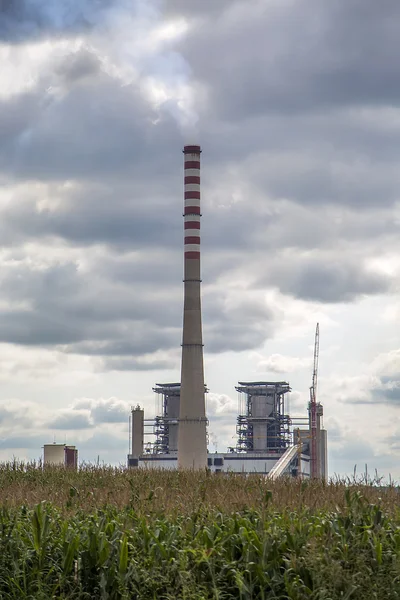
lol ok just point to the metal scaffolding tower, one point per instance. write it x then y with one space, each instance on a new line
166 424
263 425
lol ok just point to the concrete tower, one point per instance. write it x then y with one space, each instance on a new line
192 440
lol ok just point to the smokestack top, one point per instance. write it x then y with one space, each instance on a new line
191 150
192 204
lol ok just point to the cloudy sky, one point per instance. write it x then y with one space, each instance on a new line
296 106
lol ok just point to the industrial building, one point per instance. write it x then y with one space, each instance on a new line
269 440
60 455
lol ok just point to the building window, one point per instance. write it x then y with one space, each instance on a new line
218 462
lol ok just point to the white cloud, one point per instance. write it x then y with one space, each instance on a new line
276 363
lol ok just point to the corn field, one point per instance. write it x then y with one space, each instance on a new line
114 534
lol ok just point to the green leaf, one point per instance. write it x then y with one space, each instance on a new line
123 556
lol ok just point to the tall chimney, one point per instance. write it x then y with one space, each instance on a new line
192 440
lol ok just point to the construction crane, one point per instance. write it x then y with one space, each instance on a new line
313 409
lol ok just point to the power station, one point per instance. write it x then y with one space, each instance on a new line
269 440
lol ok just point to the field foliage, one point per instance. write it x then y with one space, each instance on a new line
113 534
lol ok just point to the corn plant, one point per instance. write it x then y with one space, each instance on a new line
113 534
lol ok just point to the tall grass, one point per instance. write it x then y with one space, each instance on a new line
113 534
173 492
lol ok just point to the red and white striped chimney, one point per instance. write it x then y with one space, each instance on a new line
192 434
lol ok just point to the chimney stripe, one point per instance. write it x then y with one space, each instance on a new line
192 210
192 187
192 225
192 255
191 194
192 149
192 247
192 173
192 164
192 239
192 179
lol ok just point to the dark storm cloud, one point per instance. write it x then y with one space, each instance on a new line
327 179
61 291
98 320
234 336
16 116
23 20
95 215
387 390
134 217
96 129
236 324
123 325
79 65
326 279
108 132
144 268
268 156
31 328
116 216
206 8
304 55
109 411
